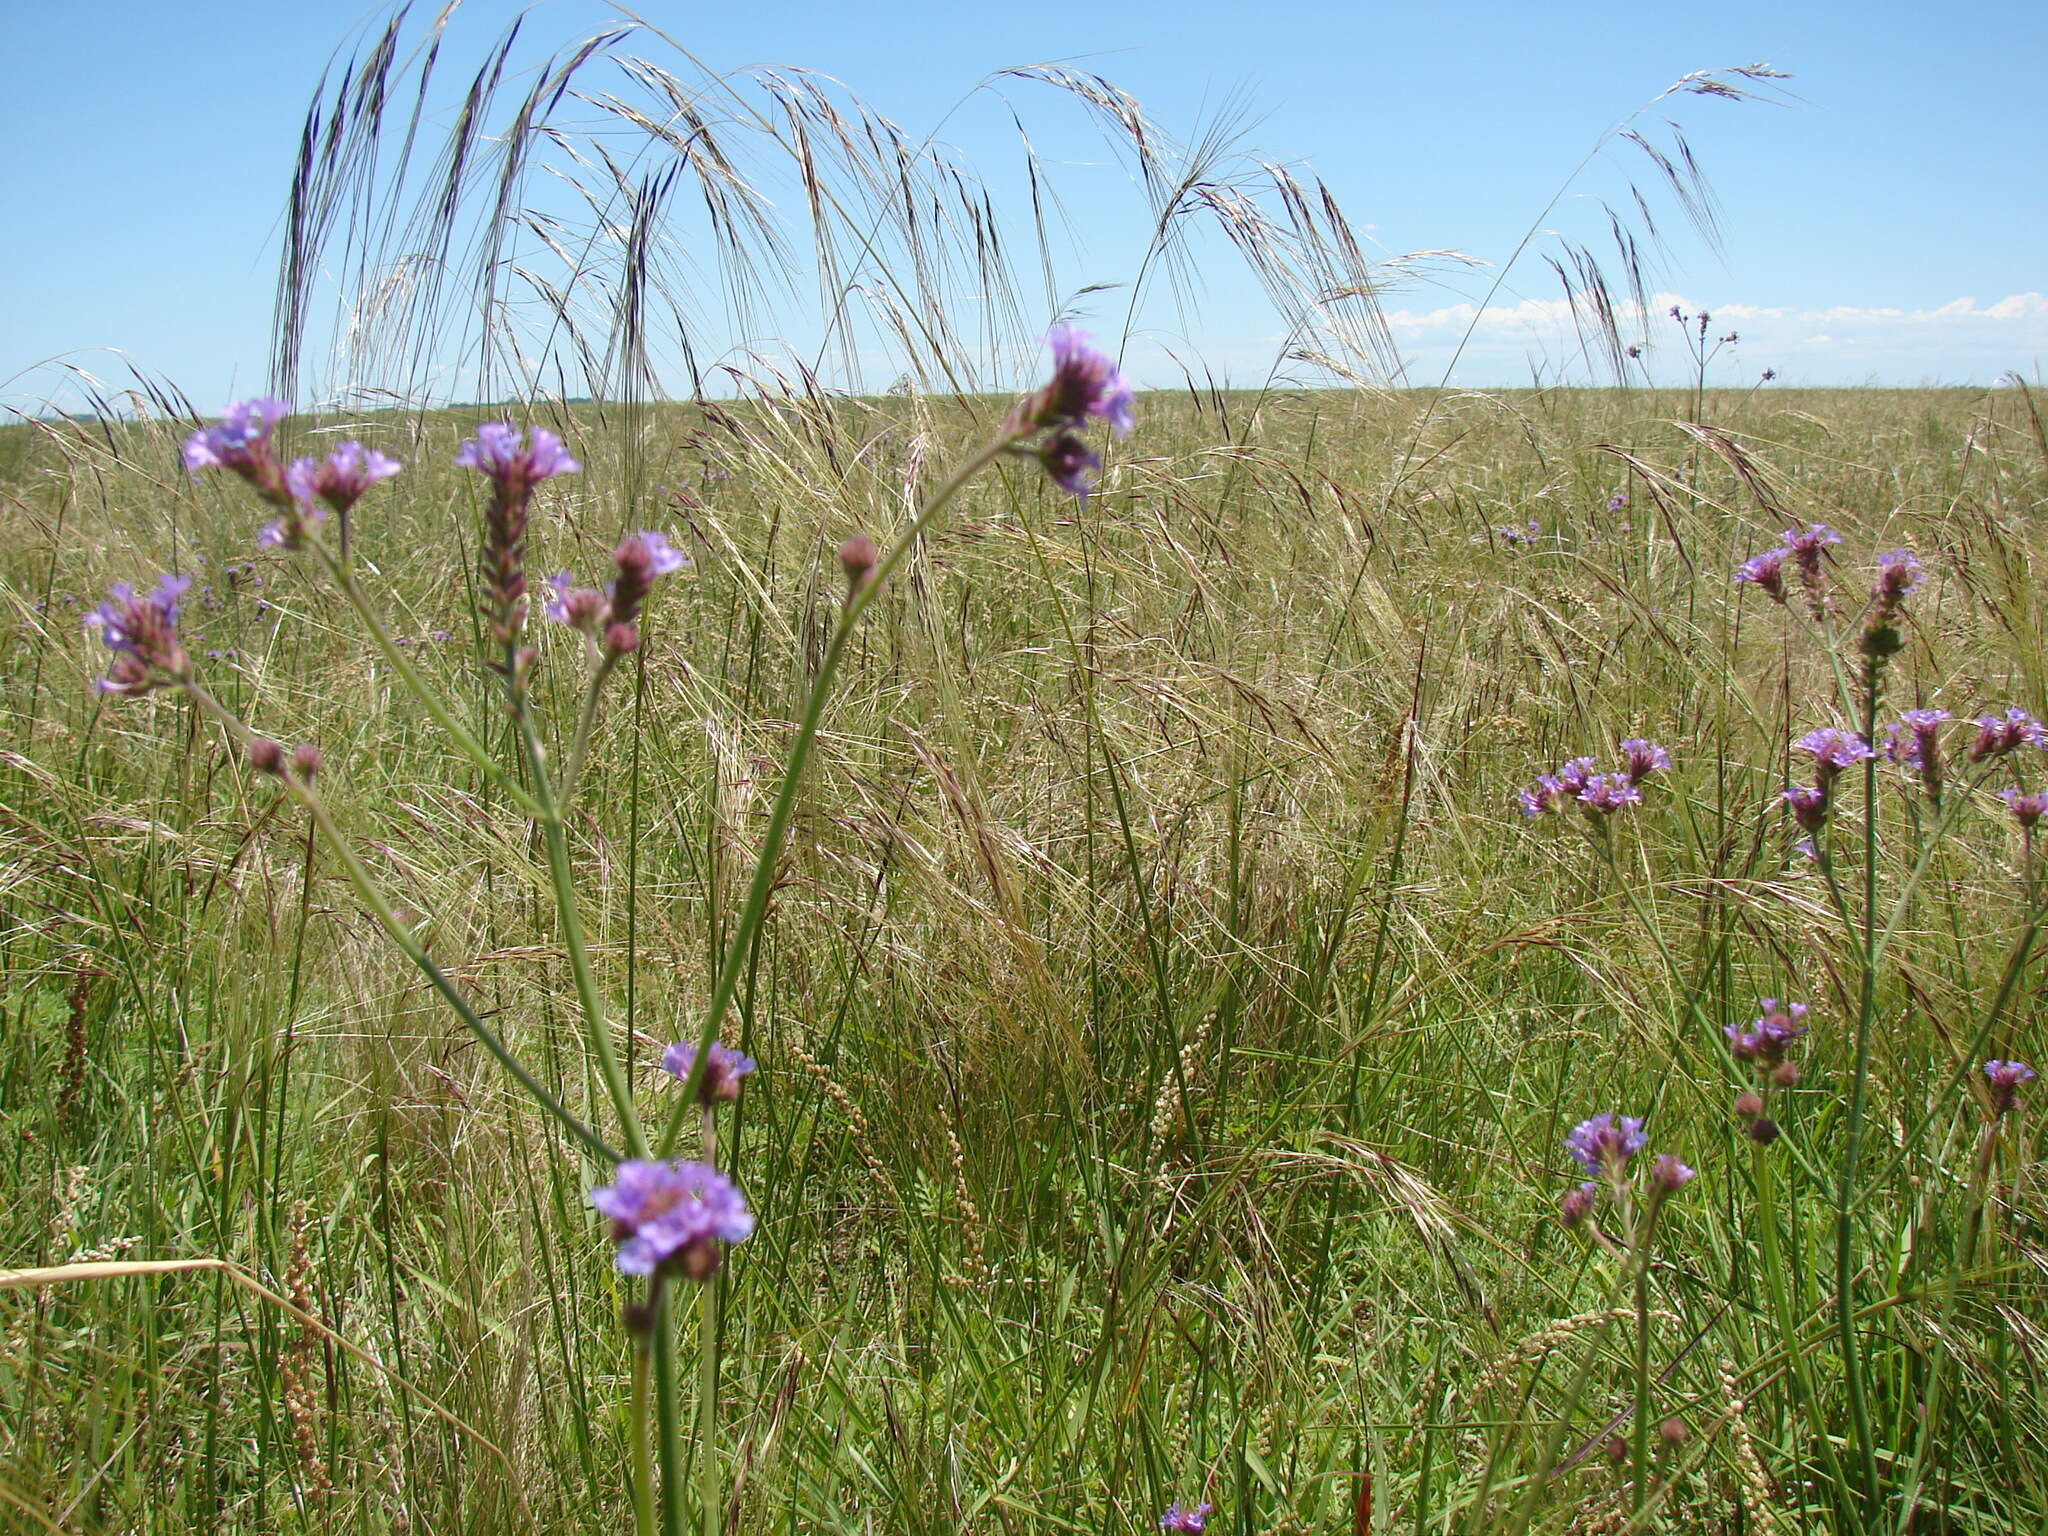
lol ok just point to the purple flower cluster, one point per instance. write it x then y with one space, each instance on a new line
303 490
1527 534
1597 794
1602 1146
1915 742
1806 552
1605 1143
1764 1041
514 465
1085 383
2005 1078
669 1216
722 1072
1834 750
240 443
613 613
1998 736
142 632
2028 806
1184 1518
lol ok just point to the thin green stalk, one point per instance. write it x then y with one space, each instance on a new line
562 878
763 885
642 1434
373 899
1859 1096
586 723
710 1493
675 1491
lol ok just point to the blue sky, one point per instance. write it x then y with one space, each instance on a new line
1886 225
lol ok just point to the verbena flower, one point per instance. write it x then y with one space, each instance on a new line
722 1072
1765 1039
1833 750
1578 1203
1576 774
241 443
342 478
1668 1174
2027 805
1543 796
1766 572
1185 1518
1915 742
1605 1143
1997 736
1085 383
581 608
1809 803
669 1216
1898 573
2005 1078
1070 464
142 632
1606 793
1640 759
501 451
1617 501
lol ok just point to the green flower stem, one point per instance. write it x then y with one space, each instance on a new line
431 701
562 876
748 926
668 1443
1859 1097
372 898
586 723
640 1432
710 1490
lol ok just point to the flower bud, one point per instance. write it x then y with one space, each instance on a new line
265 755
858 557
1785 1074
1672 1433
1750 1105
1763 1132
621 639
305 761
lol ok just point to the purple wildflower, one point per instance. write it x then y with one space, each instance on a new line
1668 1174
142 632
1617 501
501 451
581 608
342 478
1069 463
1833 750
1605 1143
1916 743
1640 759
1578 1203
1576 774
1085 383
1806 850
1541 797
722 1073
1898 573
1769 374
1996 737
1809 803
1766 1038
1606 793
2027 805
670 1214
1190 1518
2005 1078
1766 572
240 442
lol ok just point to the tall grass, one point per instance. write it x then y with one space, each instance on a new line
1168 1025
